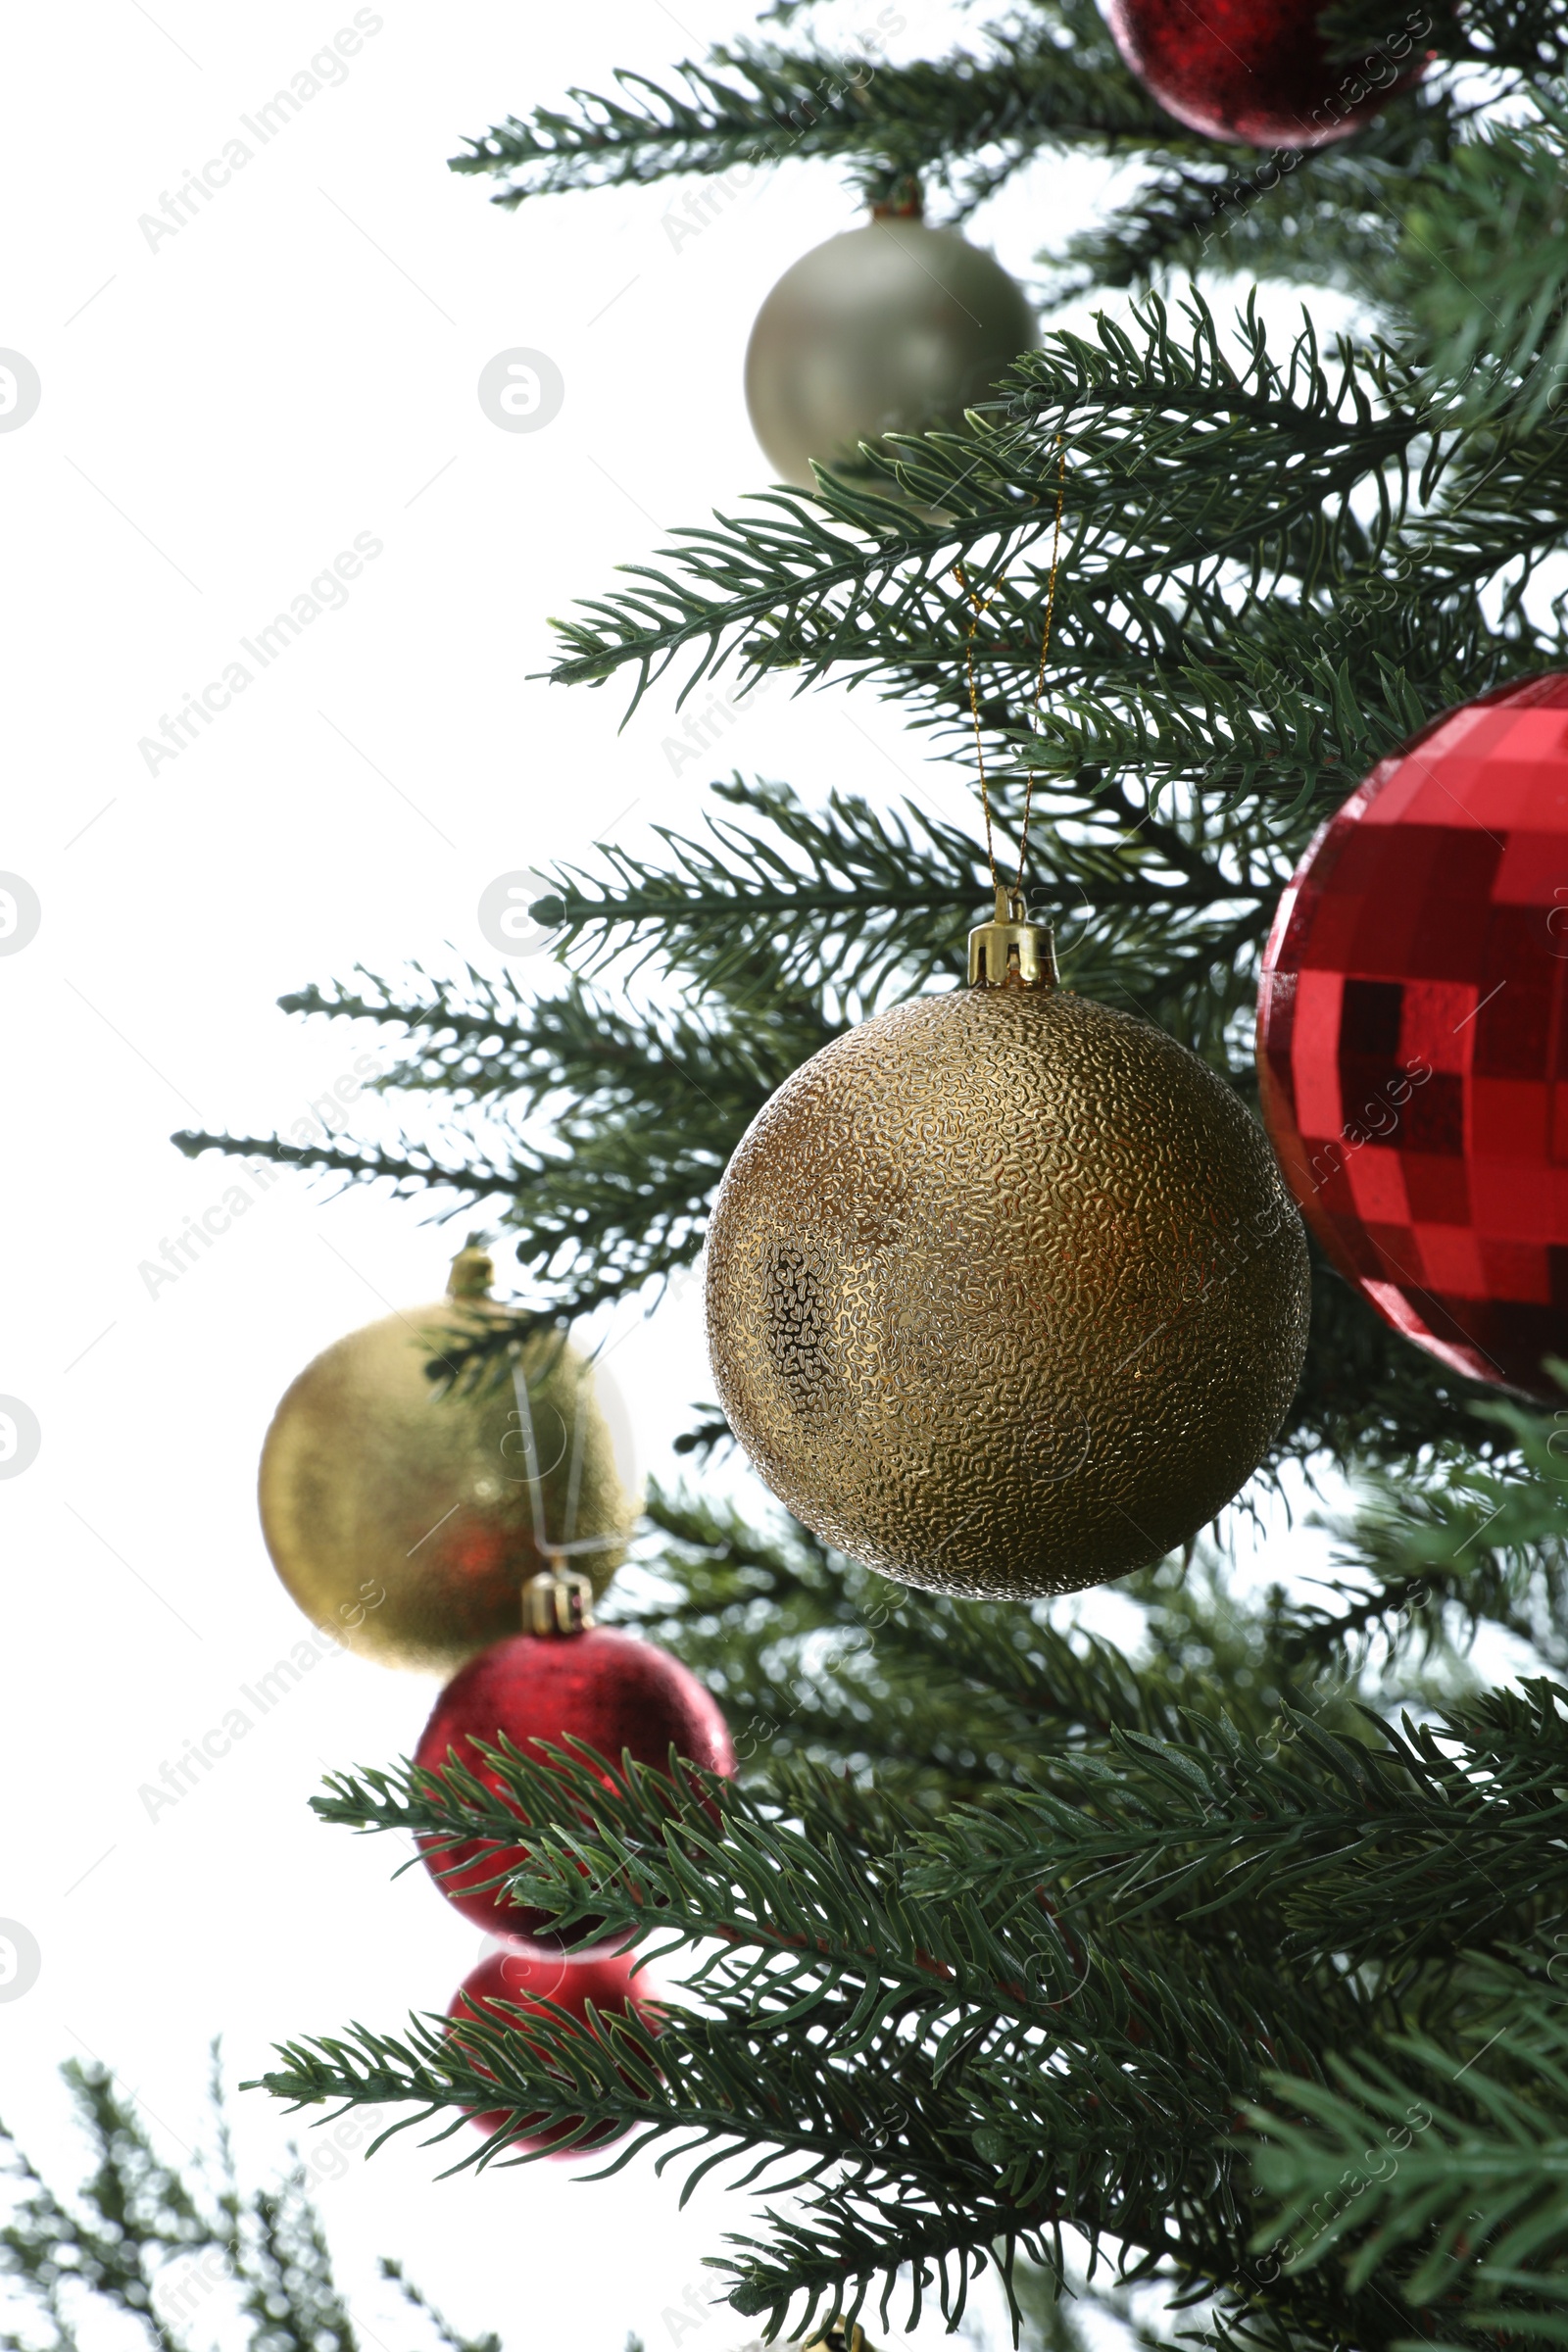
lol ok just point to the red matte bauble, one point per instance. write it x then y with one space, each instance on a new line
1255 70
601 1688
614 1983
1413 1036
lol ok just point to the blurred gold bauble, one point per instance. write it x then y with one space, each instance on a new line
891 328
839 2336
405 1521
1005 1293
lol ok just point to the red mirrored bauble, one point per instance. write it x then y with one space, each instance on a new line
614 1983
602 1687
1257 70
1413 1036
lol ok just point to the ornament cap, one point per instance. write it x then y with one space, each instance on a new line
839 2336
473 1270
559 1600
903 200
1011 952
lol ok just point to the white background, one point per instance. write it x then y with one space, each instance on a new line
222 413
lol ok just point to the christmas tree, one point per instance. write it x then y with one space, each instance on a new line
180 2256
1223 1965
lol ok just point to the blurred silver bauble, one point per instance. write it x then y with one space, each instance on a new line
891 328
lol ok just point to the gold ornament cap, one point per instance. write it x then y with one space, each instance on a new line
559 1601
1011 952
473 1270
839 2336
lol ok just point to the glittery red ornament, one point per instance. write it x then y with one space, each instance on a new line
1413 1036
614 1983
602 1687
1257 70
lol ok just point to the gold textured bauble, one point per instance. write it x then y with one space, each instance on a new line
406 1521
891 328
1005 1293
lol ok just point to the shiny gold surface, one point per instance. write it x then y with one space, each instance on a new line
1011 952
557 1600
1005 1293
404 1522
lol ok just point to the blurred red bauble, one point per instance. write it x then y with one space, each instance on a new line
1413 1036
1255 70
612 1983
602 1687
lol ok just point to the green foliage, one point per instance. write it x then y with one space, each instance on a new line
1309 217
1494 215
1013 1945
175 2253
1235 529
987 107
950 2025
644 1108
777 927
1464 2189
135 2216
1001 1924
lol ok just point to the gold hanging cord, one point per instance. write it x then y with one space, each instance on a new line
981 605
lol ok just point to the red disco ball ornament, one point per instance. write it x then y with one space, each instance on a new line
505 1983
591 1685
1257 70
1412 1036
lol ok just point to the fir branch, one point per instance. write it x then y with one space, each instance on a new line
1461 1538
1236 534
1493 214
645 1109
936 2072
1169 445
832 895
1342 1838
121 2245
442 2327
133 2216
1526 37
828 898
289 2291
1058 81
813 1657
410 1171
1461 2193
1314 215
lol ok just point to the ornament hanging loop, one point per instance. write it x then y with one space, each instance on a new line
1011 952
559 1600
